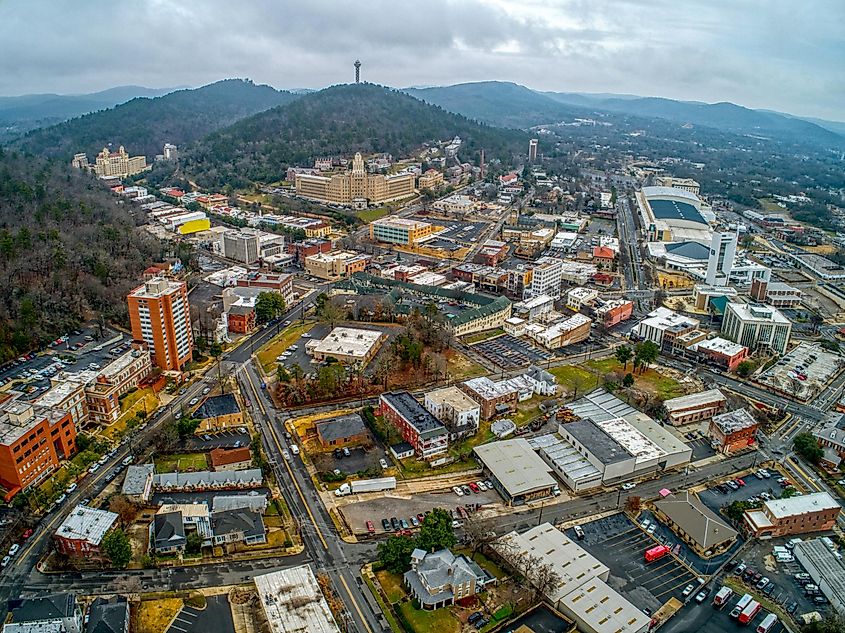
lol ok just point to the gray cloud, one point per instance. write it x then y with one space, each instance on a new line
756 52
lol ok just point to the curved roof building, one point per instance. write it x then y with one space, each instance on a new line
672 215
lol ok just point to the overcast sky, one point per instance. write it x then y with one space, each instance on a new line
777 54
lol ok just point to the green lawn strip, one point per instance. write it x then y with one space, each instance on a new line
385 609
181 462
482 336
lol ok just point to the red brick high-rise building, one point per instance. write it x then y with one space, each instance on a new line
161 317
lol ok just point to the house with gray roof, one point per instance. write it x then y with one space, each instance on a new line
108 615
138 482
342 431
168 533
208 480
53 613
440 578
238 526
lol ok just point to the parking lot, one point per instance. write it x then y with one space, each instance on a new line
93 352
216 617
224 439
714 499
621 545
508 352
357 514
700 445
359 460
465 232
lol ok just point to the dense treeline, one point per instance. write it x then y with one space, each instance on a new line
339 120
68 252
143 125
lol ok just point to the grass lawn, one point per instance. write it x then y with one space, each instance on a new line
770 205
483 336
371 215
140 400
437 621
278 344
527 411
388 613
154 616
181 462
392 585
461 367
486 564
585 380
414 469
465 446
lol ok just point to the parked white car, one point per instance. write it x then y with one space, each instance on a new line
458 491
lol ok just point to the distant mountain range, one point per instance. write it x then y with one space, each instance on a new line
513 105
143 125
28 112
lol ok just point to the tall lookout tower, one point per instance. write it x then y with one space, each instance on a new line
357 71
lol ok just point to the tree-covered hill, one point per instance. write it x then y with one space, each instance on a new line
338 120
144 125
68 252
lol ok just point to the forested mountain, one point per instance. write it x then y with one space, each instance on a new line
28 112
143 126
497 103
338 120
727 117
68 251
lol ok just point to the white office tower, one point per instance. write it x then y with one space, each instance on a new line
721 259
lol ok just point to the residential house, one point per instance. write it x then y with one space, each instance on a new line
108 615
342 431
231 458
441 578
53 613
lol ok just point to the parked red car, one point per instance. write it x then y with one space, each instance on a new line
371 528
474 487
740 482
28 533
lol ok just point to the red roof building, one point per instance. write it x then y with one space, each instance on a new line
603 257
231 458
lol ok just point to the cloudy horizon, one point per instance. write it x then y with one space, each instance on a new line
757 54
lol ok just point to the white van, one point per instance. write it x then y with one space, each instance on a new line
294 449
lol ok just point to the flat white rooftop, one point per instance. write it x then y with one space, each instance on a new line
720 345
347 341
782 508
758 313
488 389
293 603
87 524
633 440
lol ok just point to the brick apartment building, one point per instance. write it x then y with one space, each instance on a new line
33 440
241 319
275 282
161 317
494 398
82 531
815 512
418 427
721 353
695 407
308 247
614 312
733 431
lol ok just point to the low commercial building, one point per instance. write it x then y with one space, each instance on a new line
516 471
534 308
578 298
458 412
418 427
138 482
776 293
53 613
275 282
757 327
82 531
494 398
401 231
814 512
696 524
219 413
582 592
620 441
571 467
438 579
826 569
348 345
292 602
332 266
695 407
663 326
720 353
613 312
230 458
733 431
343 430
569 331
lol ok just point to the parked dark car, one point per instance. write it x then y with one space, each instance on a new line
394 522
385 524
